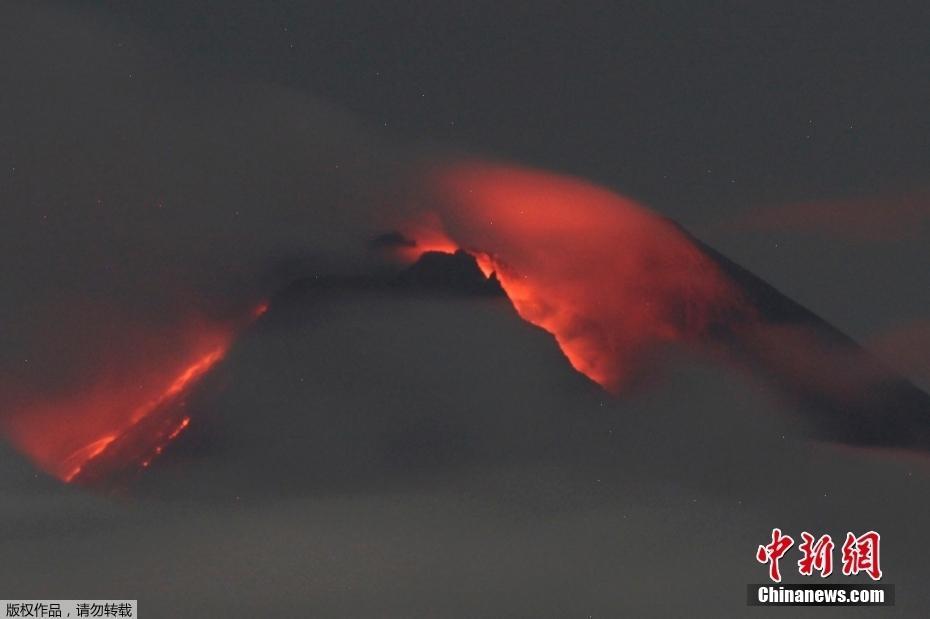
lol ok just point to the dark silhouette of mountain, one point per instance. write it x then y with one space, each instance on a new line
851 395
847 394
448 273
844 392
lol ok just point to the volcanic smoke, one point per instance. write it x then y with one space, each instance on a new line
604 275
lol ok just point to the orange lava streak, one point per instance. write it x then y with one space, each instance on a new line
128 415
185 378
146 462
174 433
74 463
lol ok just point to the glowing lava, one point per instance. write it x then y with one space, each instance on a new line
126 419
173 434
607 277
74 464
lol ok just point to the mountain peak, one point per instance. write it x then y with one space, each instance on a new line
455 273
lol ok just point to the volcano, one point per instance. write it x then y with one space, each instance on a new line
613 284
849 396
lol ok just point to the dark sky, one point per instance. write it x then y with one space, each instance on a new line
704 111
705 103
369 454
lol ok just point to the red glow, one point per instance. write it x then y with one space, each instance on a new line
174 433
605 276
126 417
64 435
191 373
260 309
73 464
428 236
159 448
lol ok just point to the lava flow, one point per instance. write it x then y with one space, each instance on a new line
74 464
607 277
126 420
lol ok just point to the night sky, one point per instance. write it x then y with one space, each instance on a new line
704 111
184 178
